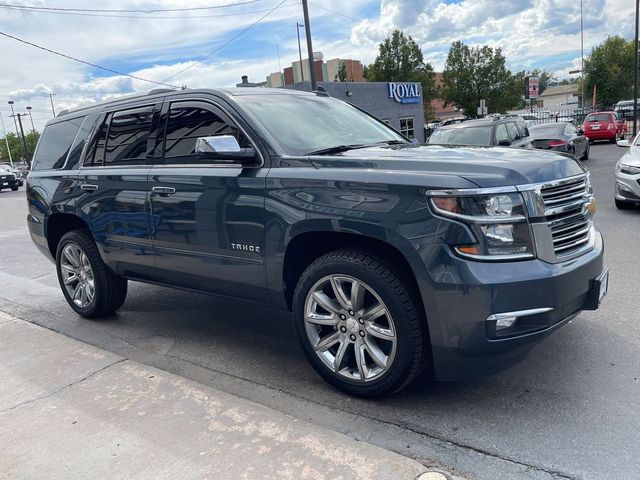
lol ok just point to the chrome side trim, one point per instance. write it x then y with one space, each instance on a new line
518 313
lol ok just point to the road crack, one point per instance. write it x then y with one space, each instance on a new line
64 387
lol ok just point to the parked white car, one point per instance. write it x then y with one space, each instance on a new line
627 193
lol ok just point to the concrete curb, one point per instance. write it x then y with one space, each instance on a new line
70 410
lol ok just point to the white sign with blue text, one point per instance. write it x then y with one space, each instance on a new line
404 92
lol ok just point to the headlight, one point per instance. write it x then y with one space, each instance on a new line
498 221
628 169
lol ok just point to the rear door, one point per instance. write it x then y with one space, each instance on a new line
207 217
114 201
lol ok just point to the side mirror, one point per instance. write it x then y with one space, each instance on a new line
224 149
504 143
623 143
219 144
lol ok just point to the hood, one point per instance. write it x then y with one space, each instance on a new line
632 157
484 166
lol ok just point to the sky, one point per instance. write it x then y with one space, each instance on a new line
156 46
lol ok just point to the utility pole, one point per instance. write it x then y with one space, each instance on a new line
307 31
53 110
33 128
298 25
635 73
4 131
25 152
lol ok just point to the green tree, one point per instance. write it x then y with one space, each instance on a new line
472 74
400 59
609 67
342 72
15 144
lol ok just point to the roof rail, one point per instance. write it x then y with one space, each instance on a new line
156 91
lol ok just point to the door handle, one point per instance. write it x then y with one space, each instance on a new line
87 187
164 190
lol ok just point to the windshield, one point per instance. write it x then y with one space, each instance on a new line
5 169
598 117
305 123
462 136
547 131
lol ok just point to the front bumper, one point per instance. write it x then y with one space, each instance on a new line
465 294
627 187
8 182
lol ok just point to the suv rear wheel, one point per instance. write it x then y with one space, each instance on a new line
358 324
88 286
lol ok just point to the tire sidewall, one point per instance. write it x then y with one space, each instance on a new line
79 240
397 371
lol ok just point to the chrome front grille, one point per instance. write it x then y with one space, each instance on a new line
568 218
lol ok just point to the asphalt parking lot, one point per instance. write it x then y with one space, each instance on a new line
569 411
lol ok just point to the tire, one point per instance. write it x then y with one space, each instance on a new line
622 205
14 189
82 261
404 356
586 153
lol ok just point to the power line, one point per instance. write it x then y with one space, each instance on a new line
106 69
217 49
109 10
334 12
165 17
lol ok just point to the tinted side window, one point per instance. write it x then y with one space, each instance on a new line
501 133
55 143
127 137
190 120
514 134
524 131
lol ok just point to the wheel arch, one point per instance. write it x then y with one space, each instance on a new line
57 225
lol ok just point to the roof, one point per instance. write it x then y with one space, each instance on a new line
560 90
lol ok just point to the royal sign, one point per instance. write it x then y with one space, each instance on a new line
404 92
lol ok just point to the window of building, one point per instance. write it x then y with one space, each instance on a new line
406 127
190 120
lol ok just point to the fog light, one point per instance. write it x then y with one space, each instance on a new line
503 321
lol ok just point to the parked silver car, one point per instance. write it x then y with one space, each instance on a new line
628 175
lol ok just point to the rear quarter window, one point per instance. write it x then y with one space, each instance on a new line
55 143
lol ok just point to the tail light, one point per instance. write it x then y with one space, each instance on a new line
556 143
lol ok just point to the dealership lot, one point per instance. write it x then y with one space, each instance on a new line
569 410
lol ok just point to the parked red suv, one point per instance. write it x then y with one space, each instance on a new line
604 126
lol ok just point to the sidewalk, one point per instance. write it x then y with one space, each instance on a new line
69 410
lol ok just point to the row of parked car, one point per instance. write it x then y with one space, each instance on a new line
516 131
11 176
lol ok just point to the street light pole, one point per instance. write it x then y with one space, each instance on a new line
582 58
307 30
33 128
635 73
13 114
25 154
53 110
298 25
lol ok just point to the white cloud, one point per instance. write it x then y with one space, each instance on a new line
530 32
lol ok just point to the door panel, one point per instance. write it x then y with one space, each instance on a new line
209 233
114 198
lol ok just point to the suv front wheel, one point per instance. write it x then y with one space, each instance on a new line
89 287
358 323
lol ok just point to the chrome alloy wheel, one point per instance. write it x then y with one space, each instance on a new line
77 275
350 328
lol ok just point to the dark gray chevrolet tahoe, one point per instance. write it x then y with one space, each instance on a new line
394 258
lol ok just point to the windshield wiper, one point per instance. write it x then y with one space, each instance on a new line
344 148
337 149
